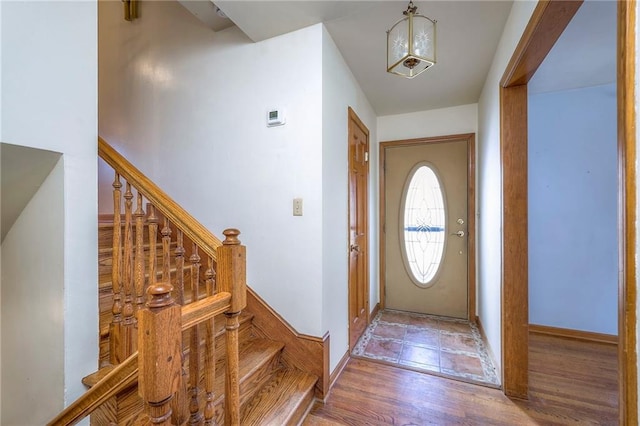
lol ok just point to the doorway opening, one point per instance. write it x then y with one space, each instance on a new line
548 21
427 319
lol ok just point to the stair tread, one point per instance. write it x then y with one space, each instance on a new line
279 398
255 352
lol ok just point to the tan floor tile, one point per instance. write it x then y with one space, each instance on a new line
389 331
423 336
460 363
383 348
420 355
458 342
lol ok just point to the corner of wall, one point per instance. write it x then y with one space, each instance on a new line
340 90
489 179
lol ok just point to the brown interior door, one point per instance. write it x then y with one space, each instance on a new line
358 228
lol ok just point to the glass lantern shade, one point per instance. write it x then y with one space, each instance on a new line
411 45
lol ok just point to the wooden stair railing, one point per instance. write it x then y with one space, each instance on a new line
180 267
192 229
129 372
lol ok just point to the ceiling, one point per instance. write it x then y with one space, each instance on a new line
467 37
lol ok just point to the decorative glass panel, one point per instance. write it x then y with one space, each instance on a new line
423 225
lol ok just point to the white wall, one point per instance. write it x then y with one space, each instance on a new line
573 181
339 91
489 179
33 308
436 122
49 101
188 107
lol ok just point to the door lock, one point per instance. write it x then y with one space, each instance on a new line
459 234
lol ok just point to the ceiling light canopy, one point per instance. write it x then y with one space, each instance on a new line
411 44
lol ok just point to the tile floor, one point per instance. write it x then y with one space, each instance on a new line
440 345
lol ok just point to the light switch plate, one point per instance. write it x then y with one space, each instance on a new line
297 206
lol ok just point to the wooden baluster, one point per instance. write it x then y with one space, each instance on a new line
194 352
210 277
139 258
210 352
159 354
116 323
152 221
180 403
232 279
195 274
180 268
128 321
166 254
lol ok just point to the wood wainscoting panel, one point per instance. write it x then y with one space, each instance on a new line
307 353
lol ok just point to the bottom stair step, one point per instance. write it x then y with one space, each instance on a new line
283 400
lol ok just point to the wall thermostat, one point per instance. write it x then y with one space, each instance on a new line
275 117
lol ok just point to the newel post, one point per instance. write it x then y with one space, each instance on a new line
232 278
159 353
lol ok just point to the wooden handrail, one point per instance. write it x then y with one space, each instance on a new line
126 373
196 232
204 309
122 376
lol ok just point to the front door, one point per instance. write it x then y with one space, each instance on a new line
426 227
358 228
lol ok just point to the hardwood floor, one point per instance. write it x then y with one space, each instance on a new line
570 382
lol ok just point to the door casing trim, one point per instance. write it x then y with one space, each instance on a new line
470 138
547 22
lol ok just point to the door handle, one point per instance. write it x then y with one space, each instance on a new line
459 234
355 247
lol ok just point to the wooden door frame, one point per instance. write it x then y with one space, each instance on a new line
545 26
352 117
470 138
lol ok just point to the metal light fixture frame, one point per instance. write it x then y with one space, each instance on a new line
411 62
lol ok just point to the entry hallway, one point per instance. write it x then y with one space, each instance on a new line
570 382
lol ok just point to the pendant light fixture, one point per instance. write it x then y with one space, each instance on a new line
411 44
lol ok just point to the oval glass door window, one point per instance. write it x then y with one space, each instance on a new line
423 225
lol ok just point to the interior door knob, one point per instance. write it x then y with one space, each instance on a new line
459 234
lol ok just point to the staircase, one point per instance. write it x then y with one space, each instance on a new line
177 344
270 393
